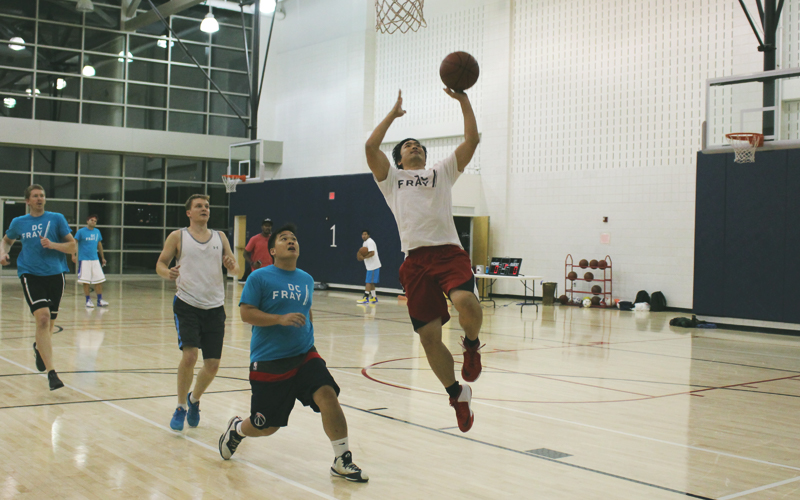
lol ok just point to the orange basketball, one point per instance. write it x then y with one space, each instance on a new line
563 299
363 251
459 71
572 276
583 263
588 276
595 300
593 264
602 264
596 289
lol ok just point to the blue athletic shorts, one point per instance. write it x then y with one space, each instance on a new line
374 276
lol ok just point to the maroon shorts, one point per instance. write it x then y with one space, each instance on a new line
429 271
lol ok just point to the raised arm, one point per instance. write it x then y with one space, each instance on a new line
466 149
376 159
5 247
228 259
167 254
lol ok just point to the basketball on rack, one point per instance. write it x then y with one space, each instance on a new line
596 289
572 276
459 71
595 300
588 276
583 263
602 264
563 299
593 264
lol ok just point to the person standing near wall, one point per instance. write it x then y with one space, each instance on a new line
89 258
256 253
41 266
421 201
373 265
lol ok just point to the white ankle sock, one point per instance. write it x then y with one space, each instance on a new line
191 398
183 405
238 428
373 294
340 447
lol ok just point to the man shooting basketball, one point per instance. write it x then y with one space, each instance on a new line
421 201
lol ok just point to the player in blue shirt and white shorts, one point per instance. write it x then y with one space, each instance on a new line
284 364
46 239
90 269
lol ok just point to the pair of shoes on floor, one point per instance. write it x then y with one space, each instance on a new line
89 304
190 415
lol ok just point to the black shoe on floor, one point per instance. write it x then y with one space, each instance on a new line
55 382
39 361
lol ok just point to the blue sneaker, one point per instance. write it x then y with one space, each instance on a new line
193 415
177 419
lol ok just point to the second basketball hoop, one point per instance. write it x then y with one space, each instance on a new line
744 146
402 15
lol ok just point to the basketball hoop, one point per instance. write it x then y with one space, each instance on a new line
403 15
231 181
744 146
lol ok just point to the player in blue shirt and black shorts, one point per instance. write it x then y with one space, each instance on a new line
46 239
284 364
90 256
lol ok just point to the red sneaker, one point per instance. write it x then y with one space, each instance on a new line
471 369
463 407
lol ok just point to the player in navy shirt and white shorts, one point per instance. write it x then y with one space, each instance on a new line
284 364
46 239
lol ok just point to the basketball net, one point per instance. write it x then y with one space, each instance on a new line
231 181
403 15
744 146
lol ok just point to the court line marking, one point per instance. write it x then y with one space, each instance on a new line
760 488
190 439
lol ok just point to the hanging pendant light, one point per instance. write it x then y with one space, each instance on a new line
209 24
85 6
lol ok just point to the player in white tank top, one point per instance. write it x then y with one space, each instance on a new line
198 304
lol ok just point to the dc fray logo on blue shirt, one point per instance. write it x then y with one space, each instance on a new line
293 293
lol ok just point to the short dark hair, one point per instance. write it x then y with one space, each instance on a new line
396 151
32 187
93 216
194 197
286 227
365 231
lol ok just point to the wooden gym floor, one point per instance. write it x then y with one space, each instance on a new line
572 404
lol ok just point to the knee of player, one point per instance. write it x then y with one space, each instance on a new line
326 397
189 356
43 319
211 365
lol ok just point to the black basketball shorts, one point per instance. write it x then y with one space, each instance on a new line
43 291
201 328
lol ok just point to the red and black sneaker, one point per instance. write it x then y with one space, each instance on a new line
471 369
463 407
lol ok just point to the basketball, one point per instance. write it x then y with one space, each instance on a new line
593 264
595 301
563 299
588 276
572 276
363 251
459 71
596 289
583 263
602 264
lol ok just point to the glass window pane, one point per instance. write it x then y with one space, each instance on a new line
101 164
60 61
68 86
184 122
216 169
24 8
59 11
179 192
187 76
144 191
147 95
144 167
113 260
143 215
59 35
16 159
231 36
139 263
217 193
99 114
232 127
15 81
103 90
112 236
185 170
16 58
108 214
104 17
66 208
150 48
199 52
106 66
17 28
98 188
14 184
151 72
187 99
229 59
231 82
151 119
144 239
57 111
233 17
176 216
218 104
189 30
57 186
15 106
54 161
218 218
108 42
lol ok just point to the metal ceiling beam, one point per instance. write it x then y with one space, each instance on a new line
150 17
129 8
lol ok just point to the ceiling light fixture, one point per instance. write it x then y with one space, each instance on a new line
9 102
162 42
122 57
85 6
14 46
209 24
88 70
60 83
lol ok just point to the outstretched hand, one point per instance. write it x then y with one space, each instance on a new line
398 111
458 96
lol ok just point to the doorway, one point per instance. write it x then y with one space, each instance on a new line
11 209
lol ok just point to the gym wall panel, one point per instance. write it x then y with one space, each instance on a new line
709 239
789 269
